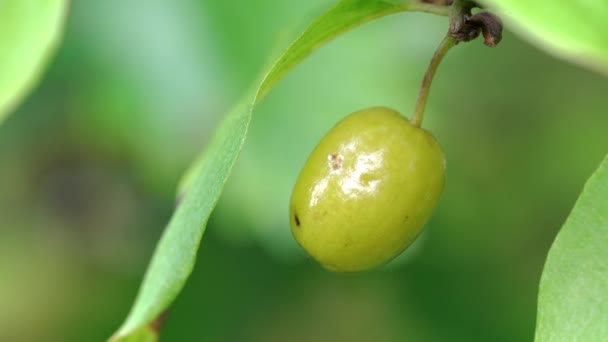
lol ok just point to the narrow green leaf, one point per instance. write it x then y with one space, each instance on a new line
143 334
573 297
571 29
175 254
29 32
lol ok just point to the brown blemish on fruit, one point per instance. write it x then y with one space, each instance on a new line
295 217
335 161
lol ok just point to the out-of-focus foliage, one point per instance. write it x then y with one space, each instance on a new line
29 33
573 29
573 298
89 165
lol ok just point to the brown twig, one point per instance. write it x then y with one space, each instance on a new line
464 26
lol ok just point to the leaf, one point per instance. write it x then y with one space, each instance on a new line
143 334
572 29
29 32
175 254
573 297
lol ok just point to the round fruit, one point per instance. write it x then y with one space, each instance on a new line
366 190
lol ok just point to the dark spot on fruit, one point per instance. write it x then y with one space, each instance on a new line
335 161
295 217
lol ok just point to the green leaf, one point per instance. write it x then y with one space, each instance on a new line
573 297
572 29
175 254
143 334
29 32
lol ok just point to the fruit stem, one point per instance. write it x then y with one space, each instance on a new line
425 88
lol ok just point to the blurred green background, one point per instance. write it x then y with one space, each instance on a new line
90 162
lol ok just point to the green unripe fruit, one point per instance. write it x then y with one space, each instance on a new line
367 190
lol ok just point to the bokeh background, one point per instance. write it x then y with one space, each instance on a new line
90 161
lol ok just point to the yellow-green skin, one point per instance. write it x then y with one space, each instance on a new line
366 191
